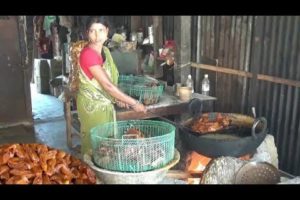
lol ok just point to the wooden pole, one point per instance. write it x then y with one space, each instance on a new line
182 36
136 23
158 41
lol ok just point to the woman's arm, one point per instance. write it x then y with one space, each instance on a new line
100 75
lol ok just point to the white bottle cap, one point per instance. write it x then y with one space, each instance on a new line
206 75
189 76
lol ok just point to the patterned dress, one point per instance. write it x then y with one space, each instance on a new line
95 106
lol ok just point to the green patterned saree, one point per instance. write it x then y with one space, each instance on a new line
94 104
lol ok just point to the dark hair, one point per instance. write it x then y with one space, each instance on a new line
96 19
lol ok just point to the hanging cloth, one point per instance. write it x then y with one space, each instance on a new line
48 20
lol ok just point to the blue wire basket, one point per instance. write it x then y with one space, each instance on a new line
116 149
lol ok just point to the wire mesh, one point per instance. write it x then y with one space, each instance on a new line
115 149
141 88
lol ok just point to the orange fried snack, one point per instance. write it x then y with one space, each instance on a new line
204 124
40 164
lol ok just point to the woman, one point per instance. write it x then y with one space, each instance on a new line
98 77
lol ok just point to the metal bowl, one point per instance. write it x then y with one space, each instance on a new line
148 177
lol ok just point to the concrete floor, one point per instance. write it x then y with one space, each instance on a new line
45 107
49 124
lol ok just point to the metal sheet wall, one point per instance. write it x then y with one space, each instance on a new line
225 41
266 45
279 49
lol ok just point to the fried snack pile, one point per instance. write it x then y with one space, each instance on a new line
40 164
203 124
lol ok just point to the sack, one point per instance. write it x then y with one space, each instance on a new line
75 50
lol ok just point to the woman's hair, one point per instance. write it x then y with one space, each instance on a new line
96 19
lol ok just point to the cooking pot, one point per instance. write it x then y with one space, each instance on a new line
243 136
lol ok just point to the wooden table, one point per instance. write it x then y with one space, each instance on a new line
168 105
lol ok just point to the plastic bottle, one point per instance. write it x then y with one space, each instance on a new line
150 33
205 85
189 83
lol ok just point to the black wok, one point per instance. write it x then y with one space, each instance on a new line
244 136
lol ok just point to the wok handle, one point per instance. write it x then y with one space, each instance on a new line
256 122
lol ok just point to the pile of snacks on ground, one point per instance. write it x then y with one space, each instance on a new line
40 164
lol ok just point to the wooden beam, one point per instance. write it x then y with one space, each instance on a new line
222 70
278 80
242 73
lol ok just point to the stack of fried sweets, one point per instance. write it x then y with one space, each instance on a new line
40 164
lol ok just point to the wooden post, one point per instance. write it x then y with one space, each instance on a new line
136 23
256 56
68 117
26 39
182 36
198 55
158 42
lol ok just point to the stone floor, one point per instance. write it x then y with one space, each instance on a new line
49 124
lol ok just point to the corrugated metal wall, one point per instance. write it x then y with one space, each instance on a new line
225 41
278 46
266 45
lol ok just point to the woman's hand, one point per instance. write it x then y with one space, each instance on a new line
122 104
138 107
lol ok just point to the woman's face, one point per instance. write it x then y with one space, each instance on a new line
97 33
